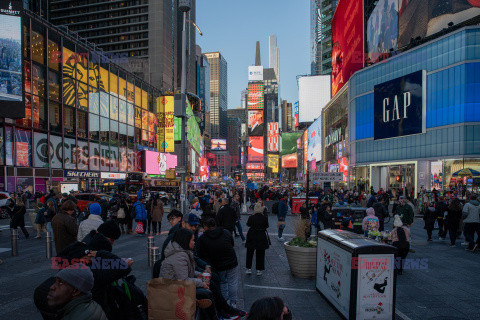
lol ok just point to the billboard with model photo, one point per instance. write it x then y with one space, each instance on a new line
219 144
255 122
382 29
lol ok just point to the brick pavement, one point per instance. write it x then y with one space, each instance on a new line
448 289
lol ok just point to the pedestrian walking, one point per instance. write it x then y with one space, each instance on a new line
236 208
405 211
452 220
93 221
381 212
40 220
471 221
18 217
257 240
51 204
140 215
400 239
156 210
281 217
370 223
226 217
64 226
429 218
441 209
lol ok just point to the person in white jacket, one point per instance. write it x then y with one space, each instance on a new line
93 221
471 220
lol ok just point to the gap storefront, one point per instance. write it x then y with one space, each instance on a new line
415 118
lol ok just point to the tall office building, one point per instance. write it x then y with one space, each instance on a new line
287 116
270 84
321 14
274 55
218 95
143 36
203 89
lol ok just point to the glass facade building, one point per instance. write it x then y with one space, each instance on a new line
82 113
452 137
218 95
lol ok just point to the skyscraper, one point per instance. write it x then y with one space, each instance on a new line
274 55
218 95
144 36
287 116
321 14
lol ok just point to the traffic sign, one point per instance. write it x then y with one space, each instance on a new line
180 170
326 176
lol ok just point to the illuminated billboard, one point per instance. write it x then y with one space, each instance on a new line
348 47
420 18
255 73
255 95
11 63
382 30
255 166
255 122
315 141
158 163
166 121
255 151
219 144
273 137
289 149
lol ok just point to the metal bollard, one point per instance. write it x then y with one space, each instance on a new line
14 238
150 245
155 256
49 245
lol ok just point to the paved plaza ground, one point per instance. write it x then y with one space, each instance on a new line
447 289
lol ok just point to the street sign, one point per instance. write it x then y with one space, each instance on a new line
326 176
180 170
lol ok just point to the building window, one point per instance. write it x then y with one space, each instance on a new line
82 124
55 116
104 129
94 126
69 121
53 86
38 48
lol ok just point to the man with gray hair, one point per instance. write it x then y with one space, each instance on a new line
72 292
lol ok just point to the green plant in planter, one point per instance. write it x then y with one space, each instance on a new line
300 240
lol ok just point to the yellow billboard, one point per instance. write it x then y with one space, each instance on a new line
273 162
165 127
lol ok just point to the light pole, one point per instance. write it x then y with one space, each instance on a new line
244 145
184 6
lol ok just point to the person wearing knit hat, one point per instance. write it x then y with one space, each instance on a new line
71 292
93 221
110 229
401 239
370 222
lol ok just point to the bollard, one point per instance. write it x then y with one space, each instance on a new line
14 238
150 245
155 256
49 245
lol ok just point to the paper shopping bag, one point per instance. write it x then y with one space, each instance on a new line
171 299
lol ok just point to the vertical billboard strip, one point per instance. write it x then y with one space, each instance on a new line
255 151
305 151
255 95
165 124
273 137
348 44
382 30
255 122
289 149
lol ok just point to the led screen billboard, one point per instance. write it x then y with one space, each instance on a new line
11 62
421 18
382 30
219 144
315 141
255 151
255 122
348 35
255 95
158 163
255 166
289 149
273 137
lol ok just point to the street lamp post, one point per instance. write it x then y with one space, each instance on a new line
244 167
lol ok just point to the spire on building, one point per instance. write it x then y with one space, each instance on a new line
258 62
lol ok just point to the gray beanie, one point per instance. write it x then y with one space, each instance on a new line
78 276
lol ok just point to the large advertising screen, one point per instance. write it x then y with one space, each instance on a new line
219 144
255 95
289 149
255 151
421 18
315 141
255 166
347 50
382 30
166 124
194 136
399 106
273 137
11 62
158 163
255 122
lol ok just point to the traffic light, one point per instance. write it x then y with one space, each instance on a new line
399 178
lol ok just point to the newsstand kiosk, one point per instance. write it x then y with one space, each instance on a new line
356 275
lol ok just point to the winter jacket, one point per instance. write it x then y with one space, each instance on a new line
18 217
216 248
65 230
406 213
440 207
380 211
257 237
226 218
91 223
82 308
471 212
370 222
430 217
157 211
179 265
236 208
52 208
139 211
454 215
282 210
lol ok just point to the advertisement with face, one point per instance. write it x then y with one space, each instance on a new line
347 49
382 30
255 122
11 62
159 163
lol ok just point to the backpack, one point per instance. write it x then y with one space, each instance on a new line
275 208
127 301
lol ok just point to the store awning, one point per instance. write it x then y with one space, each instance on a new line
466 172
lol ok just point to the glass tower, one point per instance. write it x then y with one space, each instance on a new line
321 14
218 95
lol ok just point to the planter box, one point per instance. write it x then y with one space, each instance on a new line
302 261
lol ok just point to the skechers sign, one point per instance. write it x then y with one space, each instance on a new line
80 174
400 106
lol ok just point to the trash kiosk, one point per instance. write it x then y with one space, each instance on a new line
356 274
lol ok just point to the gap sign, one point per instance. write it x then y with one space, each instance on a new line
399 106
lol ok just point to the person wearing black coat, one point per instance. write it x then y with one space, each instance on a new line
18 217
257 240
226 217
429 218
452 220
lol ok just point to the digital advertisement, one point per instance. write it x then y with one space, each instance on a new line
255 151
273 137
315 141
255 123
159 163
382 30
255 96
289 149
219 144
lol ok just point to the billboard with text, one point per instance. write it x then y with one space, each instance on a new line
255 151
273 137
255 97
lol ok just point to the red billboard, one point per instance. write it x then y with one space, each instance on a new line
255 95
255 166
348 42
273 134
255 151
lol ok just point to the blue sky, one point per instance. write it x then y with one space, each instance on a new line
233 27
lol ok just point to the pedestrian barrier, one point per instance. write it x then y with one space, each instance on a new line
14 239
150 245
49 244
155 255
